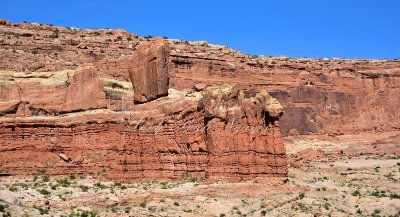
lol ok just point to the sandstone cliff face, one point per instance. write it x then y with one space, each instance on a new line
156 140
149 73
50 93
319 96
242 134
58 113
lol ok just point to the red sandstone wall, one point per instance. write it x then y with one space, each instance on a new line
320 96
77 90
129 153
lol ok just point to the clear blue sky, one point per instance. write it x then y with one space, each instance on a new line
295 28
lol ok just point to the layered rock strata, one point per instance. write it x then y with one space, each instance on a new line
162 139
32 94
319 96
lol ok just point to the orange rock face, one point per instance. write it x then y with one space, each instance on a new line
319 96
156 140
67 104
49 93
149 73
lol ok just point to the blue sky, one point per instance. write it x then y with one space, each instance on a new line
295 28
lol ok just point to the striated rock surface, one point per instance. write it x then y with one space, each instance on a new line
161 139
149 74
26 94
242 137
80 101
319 96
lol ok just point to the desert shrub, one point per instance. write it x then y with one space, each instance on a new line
263 212
43 191
356 193
127 209
84 188
12 188
143 204
101 186
64 182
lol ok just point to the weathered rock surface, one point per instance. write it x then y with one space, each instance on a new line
26 94
242 138
149 74
319 96
67 104
156 140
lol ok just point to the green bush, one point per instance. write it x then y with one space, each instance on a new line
356 193
143 204
43 191
84 188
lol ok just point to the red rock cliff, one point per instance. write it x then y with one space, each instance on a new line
319 96
156 140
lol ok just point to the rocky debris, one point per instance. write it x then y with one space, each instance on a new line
199 86
23 110
354 187
149 74
305 156
5 22
64 157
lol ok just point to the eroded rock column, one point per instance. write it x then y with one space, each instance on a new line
242 135
149 75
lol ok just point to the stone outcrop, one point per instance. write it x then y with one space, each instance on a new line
50 92
156 140
149 74
241 135
67 104
319 96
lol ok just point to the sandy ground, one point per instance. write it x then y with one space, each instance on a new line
342 185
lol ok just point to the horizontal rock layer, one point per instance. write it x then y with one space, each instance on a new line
319 96
142 145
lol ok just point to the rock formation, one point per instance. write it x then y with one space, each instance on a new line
156 140
149 74
242 134
67 104
50 92
319 96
